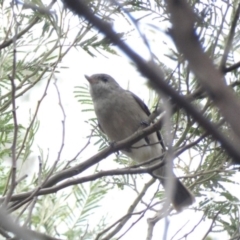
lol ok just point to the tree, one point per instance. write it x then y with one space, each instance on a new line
197 81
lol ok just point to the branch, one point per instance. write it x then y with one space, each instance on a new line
8 42
33 119
20 34
98 157
230 39
14 114
153 73
149 206
164 212
231 68
9 225
22 198
89 178
93 160
186 40
35 192
105 153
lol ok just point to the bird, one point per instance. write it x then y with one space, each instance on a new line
120 113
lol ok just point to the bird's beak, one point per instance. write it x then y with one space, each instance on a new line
90 79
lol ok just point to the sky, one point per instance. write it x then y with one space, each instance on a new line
49 135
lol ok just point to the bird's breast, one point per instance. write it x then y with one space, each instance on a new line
118 118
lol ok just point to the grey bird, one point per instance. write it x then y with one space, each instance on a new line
120 113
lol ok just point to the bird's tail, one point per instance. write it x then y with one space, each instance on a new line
180 196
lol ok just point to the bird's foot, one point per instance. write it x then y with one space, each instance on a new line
112 145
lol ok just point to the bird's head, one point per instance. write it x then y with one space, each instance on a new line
101 85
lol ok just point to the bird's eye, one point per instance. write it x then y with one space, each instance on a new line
104 79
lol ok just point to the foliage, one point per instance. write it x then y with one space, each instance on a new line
34 40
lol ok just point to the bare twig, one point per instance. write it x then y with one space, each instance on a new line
84 147
36 111
192 230
21 178
15 131
119 221
148 206
35 192
130 210
8 42
63 121
180 229
33 119
29 217
152 221
211 226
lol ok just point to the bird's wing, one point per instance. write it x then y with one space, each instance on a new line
100 127
144 107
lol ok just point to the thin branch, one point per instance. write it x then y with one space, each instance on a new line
211 226
180 229
28 130
231 68
25 197
36 191
93 160
230 39
118 221
98 157
130 210
104 153
219 31
15 122
33 119
84 147
21 179
29 217
152 221
20 34
148 206
192 230
63 121
205 172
